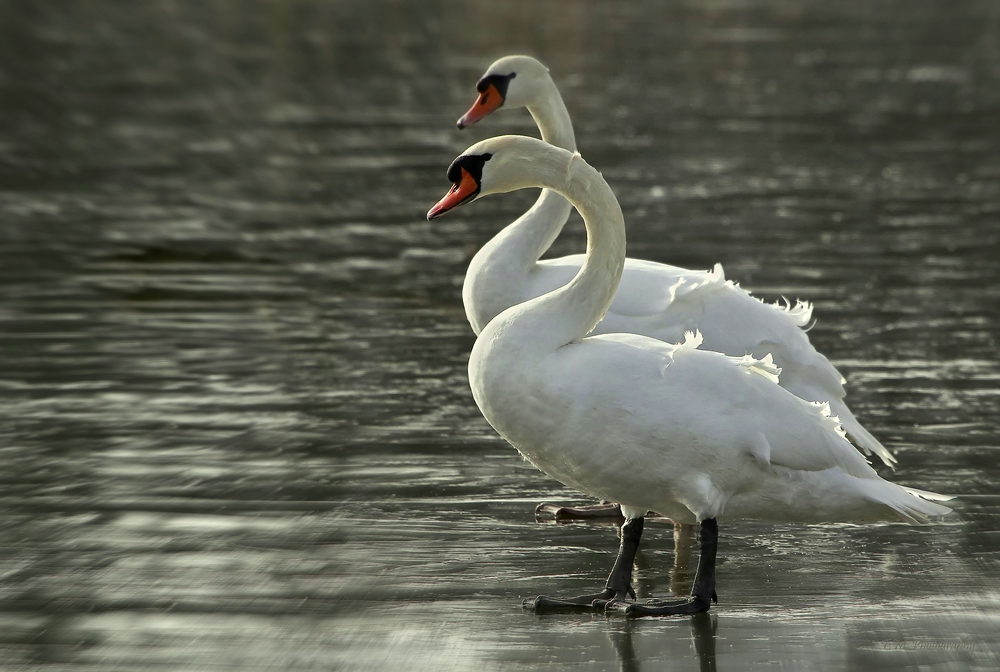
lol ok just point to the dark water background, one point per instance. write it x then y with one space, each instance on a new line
235 425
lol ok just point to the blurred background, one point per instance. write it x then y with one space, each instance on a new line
235 422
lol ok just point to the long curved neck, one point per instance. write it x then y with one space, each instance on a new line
498 273
552 118
572 311
549 214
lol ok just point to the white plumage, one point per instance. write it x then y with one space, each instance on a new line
653 299
690 433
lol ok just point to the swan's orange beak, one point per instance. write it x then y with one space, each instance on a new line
489 100
463 190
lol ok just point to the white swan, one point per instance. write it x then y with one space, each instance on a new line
694 434
653 299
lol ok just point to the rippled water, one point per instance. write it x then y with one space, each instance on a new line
236 427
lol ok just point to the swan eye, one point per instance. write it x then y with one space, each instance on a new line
501 82
465 188
471 164
492 94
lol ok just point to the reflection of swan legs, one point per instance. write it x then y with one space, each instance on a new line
680 574
621 639
703 632
618 587
703 628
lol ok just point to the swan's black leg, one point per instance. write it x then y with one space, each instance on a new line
617 587
702 593
620 578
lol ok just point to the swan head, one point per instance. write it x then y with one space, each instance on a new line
502 164
514 81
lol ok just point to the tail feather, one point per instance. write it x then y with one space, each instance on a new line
912 505
932 496
860 436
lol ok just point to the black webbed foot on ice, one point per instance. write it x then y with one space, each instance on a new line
617 588
543 603
604 511
702 593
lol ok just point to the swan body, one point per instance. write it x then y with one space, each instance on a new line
653 299
693 434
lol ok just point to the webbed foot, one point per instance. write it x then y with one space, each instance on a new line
688 605
702 593
606 510
617 587
595 602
